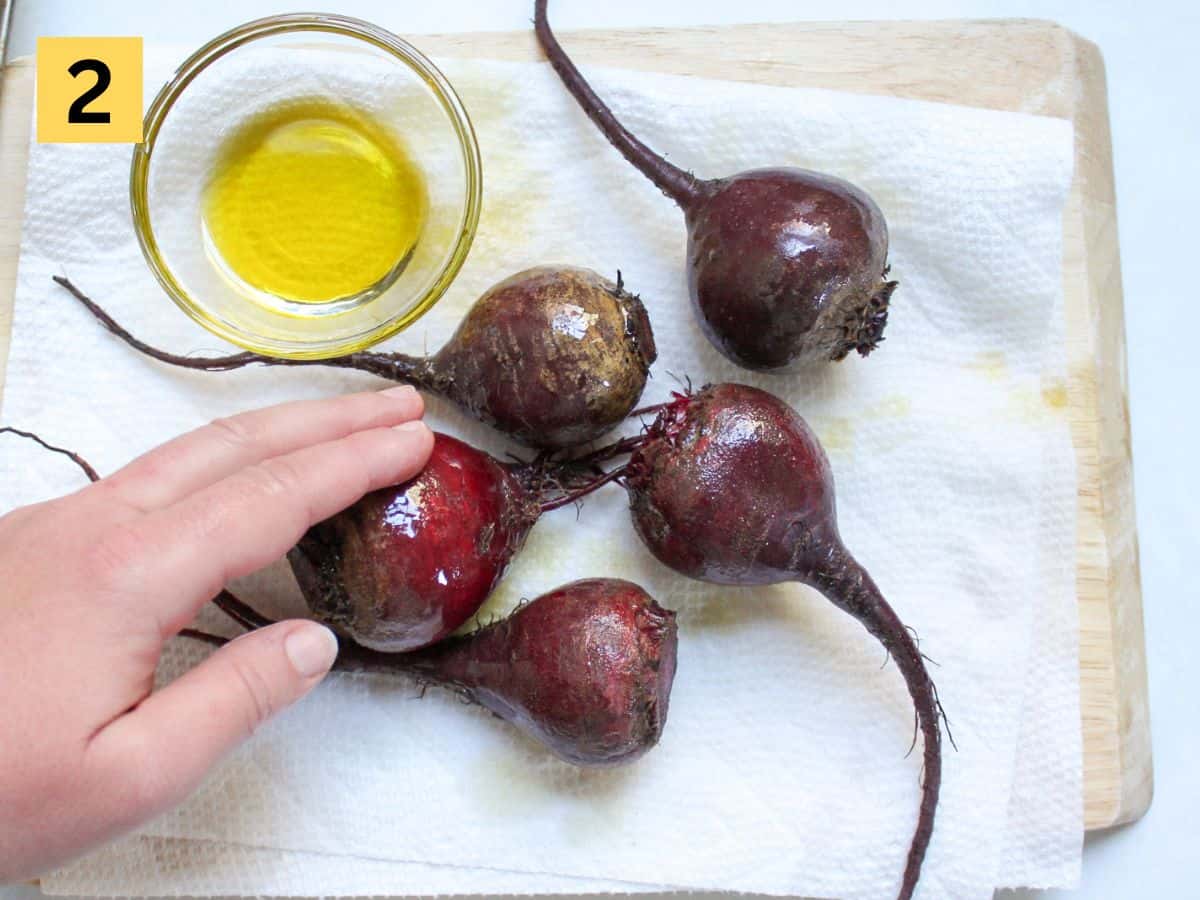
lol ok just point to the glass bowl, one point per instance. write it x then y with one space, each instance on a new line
259 67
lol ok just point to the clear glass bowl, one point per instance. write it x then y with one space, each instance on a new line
299 58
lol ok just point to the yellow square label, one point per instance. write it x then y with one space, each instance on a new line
89 90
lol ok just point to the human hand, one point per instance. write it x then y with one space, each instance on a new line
93 584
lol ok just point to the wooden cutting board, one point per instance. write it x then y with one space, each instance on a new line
1020 65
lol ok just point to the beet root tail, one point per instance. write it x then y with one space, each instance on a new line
680 186
195 634
204 363
242 613
392 366
844 582
83 464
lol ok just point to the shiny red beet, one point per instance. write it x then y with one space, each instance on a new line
553 356
731 486
784 265
405 566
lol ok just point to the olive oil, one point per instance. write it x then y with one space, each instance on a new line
313 202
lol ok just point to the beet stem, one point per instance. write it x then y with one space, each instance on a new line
680 186
392 366
648 410
578 494
610 451
92 474
846 583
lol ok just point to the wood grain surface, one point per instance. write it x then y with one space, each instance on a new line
1018 65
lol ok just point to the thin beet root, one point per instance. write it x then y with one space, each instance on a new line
405 566
553 356
585 669
82 463
729 485
784 265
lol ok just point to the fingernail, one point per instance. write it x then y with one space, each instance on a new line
400 392
414 427
311 649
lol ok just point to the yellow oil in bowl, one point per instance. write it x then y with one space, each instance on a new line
313 202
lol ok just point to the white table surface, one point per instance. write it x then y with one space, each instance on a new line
1153 71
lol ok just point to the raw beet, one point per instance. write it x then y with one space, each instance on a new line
730 485
586 669
784 265
553 356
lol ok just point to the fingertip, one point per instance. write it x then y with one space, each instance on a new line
400 391
415 427
422 438
311 648
408 397
158 752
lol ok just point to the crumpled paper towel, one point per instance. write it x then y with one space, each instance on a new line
783 767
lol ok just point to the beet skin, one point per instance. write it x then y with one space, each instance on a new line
731 486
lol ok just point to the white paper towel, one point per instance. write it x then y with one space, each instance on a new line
169 867
782 769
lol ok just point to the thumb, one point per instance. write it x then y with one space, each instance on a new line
162 749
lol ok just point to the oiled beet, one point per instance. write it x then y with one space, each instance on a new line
553 356
784 265
731 486
405 566
586 668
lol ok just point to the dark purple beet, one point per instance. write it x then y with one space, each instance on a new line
405 566
586 669
730 485
553 356
784 265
